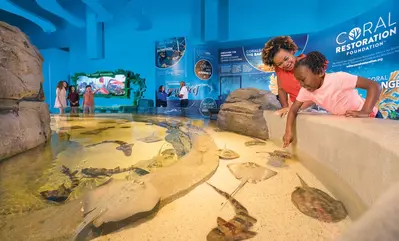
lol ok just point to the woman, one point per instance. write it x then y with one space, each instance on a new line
279 53
162 95
73 98
60 96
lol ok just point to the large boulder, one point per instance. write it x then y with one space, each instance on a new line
242 112
24 117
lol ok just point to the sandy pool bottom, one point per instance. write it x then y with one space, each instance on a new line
194 215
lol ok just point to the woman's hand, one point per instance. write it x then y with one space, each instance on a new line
287 139
357 114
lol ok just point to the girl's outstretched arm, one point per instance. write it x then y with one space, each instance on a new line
373 93
292 114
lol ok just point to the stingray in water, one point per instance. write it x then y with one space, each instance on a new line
236 228
277 158
95 172
117 200
249 172
282 154
151 138
65 128
166 156
125 147
227 154
254 142
97 131
62 192
317 204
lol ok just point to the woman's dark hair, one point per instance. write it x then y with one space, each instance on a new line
315 61
274 45
87 86
160 88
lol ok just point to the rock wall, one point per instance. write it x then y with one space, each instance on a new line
24 117
242 112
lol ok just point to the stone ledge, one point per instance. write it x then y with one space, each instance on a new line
357 159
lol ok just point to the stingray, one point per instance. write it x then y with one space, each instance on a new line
65 128
125 127
249 172
236 228
125 147
117 200
97 131
165 157
255 142
317 204
277 158
107 122
150 139
276 161
282 154
227 154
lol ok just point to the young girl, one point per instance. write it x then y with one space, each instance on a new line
335 92
88 100
60 96
73 98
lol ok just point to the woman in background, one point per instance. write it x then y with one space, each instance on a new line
73 98
60 96
162 96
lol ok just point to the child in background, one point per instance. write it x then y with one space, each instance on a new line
335 92
73 98
88 100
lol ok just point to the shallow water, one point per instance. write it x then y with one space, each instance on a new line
24 176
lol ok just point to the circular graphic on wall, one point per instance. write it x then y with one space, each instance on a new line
203 69
207 103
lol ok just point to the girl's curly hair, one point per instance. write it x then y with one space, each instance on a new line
315 61
274 45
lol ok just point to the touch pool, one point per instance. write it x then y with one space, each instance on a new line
176 157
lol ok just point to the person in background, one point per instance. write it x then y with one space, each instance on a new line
279 52
73 98
335 92
162 96
183 95
88 100
60 96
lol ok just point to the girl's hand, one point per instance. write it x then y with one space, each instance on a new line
282 112
287 139
357 114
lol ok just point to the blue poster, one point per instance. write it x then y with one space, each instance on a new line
366 46
170 61
206 81
170 66
201 79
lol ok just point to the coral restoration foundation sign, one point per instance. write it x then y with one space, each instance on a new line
366 46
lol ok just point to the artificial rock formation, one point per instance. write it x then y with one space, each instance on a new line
242 112
24 117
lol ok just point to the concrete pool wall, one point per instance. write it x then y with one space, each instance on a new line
357 159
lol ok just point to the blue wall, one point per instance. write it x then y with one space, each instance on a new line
202 22
55 68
